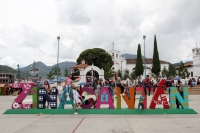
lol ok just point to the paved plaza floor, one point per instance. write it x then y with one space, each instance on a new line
99 123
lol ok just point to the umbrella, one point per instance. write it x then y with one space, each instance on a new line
77 80
177 78
50 82
82 83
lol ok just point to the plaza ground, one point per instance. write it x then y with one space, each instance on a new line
40 123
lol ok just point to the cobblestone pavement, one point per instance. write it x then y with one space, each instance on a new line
99 123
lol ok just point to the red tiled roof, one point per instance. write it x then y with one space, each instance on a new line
188 64
80 66
148 61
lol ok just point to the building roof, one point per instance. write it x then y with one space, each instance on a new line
148 61
187 64
80 66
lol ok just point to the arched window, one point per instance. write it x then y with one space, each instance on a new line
191 74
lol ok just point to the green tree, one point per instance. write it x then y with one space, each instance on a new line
139 65
120 73
98 57
165 72
50 75
66 72
126 75
53 73
156 61
171 70
133 75
187 74
182 71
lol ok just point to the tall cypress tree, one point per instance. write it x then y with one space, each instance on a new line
139 65
156 61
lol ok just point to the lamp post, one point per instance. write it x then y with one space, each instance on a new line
58 38
144 37
18 73
121 67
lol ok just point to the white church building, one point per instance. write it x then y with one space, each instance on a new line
194 66
123 64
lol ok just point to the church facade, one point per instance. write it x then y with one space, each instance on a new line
194 66
123 64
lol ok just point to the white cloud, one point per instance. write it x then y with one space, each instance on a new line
29 29
2 43
9 62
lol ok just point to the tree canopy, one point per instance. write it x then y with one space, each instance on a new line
133 75
98 57
182 71
53 73
156 61
172 70
126 74
66 72
165 72
139 65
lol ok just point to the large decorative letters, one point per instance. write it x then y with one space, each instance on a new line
26 88
104 98
174 94
130 102
52 100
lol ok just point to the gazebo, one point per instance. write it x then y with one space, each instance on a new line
85 71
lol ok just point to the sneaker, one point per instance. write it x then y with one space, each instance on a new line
76 113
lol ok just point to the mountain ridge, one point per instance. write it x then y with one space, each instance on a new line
44 69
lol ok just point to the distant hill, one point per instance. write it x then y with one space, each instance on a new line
44 69
65 64
178 63
130 56
4 68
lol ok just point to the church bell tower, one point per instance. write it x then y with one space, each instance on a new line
196 61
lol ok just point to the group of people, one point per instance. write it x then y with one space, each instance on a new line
12 91
192 82
74 93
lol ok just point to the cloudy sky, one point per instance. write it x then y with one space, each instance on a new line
29 28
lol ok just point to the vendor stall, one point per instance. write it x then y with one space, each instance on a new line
2 89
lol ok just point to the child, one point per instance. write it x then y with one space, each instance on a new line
83 99
77 101
141 99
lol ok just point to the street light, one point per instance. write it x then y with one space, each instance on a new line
18 73
144 37
121 66
58 38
